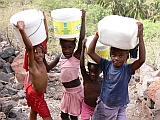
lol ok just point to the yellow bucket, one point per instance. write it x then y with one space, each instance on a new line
67 22
101 49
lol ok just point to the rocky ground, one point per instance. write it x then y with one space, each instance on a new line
12 95
53 96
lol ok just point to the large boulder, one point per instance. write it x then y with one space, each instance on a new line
17 66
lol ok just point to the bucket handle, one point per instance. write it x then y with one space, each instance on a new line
36 29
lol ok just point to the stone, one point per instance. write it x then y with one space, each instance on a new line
17 86
7 52
21 94
7 106
11 90
157 105
2 62
4 76
7 68
153 88
13 112
1 86
17 66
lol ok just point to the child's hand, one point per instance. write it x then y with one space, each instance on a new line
83 13
140 29
84 43
97 33
42 12
20 25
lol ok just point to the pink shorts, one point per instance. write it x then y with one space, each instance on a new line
71 101
87 111
36 102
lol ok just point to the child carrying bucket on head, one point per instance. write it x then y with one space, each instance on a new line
69 65
114 97
92 85
36 82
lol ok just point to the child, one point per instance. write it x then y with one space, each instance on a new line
92 86
43 44
37 78
114 97
69 66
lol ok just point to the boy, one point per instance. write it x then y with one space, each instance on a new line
114 97
38 77
92 85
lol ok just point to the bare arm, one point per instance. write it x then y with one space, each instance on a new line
52 64
142 53
91 50
82 35
45 24
82 62
27 42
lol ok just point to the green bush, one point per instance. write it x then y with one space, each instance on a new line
94 13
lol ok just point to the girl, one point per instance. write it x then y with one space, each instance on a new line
69 65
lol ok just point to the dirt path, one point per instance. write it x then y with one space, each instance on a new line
134 109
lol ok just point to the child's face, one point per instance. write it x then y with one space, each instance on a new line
93 72
38 54
67 48
118 57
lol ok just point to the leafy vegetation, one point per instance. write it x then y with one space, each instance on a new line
147 12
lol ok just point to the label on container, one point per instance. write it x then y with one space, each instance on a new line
67 28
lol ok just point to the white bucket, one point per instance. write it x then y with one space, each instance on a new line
34 26
101 49
117 31
67 22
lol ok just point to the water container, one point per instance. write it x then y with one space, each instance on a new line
117 31
34 26
67 22
100 49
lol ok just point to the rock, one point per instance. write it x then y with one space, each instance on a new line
13 111
4 93
7 52
15 97
153 88
157 105
1 86
23 102
156 73
18 86
11 90
17 113
21 94
2 116
2 62
4 76
17 66
7 106
7 68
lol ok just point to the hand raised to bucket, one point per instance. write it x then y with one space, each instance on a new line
20 25
83 13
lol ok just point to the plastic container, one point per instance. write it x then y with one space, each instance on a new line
67 22
100 49
34 26
117 31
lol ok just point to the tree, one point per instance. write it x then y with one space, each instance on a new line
154 11
137 9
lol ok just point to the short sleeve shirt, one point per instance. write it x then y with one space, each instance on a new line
114 91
